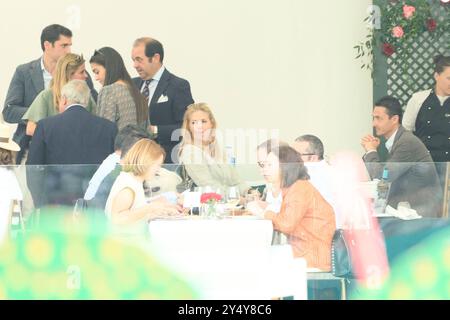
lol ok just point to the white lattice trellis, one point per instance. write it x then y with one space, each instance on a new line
415 73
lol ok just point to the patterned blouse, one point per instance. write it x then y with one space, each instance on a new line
116 104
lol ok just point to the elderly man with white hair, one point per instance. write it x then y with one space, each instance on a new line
73 137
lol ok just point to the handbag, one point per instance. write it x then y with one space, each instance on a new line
186 181
340 261
355 252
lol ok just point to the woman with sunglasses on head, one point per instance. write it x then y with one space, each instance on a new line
119 100
69 67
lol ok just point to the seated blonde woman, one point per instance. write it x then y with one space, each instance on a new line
69 67
200 153
305 217
126 206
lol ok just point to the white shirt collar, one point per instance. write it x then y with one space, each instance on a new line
42 64
158 74
46 75
390 141
73 104
442 99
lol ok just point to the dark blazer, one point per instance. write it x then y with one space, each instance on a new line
27 82
168 116
412 174
102 194
72 137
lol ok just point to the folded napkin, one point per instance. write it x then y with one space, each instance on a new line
403 212
170 196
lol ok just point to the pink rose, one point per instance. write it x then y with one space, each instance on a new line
408 11
398 32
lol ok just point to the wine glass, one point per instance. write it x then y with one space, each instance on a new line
233 198
252 195
208 189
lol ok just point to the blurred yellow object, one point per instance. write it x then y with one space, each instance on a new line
422 272
68 259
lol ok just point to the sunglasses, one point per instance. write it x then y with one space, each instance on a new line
97 52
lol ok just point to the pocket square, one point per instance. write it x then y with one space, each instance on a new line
162 99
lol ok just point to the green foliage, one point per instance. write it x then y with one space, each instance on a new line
401 23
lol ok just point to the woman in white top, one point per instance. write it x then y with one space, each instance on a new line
200 153
126 206
9 186
272 197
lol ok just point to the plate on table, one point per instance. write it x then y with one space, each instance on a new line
382 215
243 217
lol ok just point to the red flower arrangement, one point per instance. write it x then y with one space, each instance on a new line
210 198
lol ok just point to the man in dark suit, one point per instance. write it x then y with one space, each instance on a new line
410 168
167 95
31 78
73 137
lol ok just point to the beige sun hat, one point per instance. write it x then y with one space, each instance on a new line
6 141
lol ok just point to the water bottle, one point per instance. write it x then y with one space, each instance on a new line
383 190
231 159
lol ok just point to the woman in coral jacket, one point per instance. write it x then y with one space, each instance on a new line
306 218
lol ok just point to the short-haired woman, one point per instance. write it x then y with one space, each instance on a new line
126 206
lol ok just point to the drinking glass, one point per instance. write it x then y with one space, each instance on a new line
233 197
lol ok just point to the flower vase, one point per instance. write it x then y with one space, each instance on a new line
209 210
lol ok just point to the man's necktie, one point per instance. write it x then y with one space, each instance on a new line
146 90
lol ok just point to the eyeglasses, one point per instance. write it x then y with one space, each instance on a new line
307 154
263 164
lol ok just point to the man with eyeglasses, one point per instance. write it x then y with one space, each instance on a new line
167 95
31 78
311 149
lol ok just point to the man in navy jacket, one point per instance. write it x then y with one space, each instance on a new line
31 78
168 95
74 137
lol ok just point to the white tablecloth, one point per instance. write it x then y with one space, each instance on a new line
229 258
211 233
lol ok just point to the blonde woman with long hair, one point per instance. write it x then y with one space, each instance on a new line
69 67
201 154
127 207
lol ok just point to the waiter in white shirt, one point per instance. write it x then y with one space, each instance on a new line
427 113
